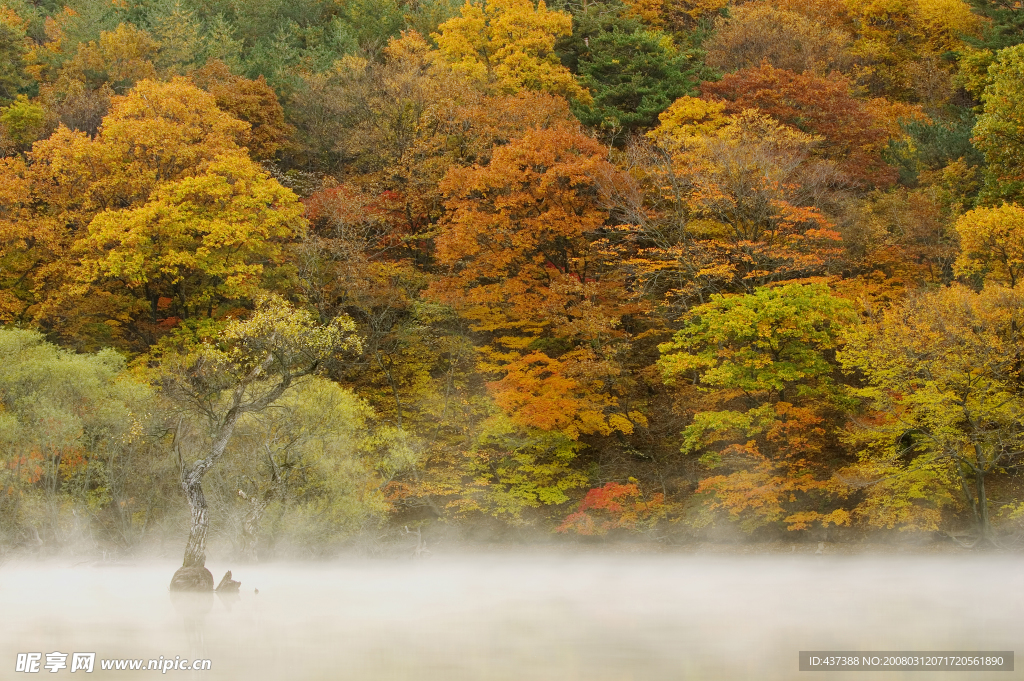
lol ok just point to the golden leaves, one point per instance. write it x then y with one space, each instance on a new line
509 45
161 203
992 244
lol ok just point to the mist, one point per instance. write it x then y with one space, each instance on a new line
517 616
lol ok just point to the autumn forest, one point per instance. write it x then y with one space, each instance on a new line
298 275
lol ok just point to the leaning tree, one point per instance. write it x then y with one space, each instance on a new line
245 369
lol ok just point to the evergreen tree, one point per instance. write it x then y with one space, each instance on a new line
633 73
1005 27
12 63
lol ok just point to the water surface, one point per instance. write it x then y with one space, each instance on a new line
518 618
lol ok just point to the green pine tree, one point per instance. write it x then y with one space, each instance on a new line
633 73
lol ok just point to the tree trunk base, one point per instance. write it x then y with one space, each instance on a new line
192 579
228 585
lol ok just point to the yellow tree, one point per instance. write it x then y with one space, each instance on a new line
509 45
160 216
992 244
942 380
197 242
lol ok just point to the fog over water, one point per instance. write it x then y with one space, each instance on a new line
519 617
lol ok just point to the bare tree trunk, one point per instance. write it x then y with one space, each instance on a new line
983 520
251 525
193 575
192 485
980 468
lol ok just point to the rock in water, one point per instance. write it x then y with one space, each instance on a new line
192 579
227 584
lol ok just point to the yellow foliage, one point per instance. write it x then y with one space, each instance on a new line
945 22
687 118
162 203
937 25
674 15
992 243
508 45
941 374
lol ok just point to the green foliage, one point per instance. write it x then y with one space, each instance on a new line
304 474
998 133
931 145
1005 27
22 122
766 358
180 36
518 468
633 75
771 341
82 21
243 372
13 79
633 72
68 425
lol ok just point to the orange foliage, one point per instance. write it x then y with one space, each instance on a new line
614 506
252 101
854 133
766 487
523 266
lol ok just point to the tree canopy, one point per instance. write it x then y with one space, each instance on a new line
622 267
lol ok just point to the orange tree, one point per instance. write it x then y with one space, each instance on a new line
521 262
523 267
854 133
252 101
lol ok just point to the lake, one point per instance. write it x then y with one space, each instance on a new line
514 617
